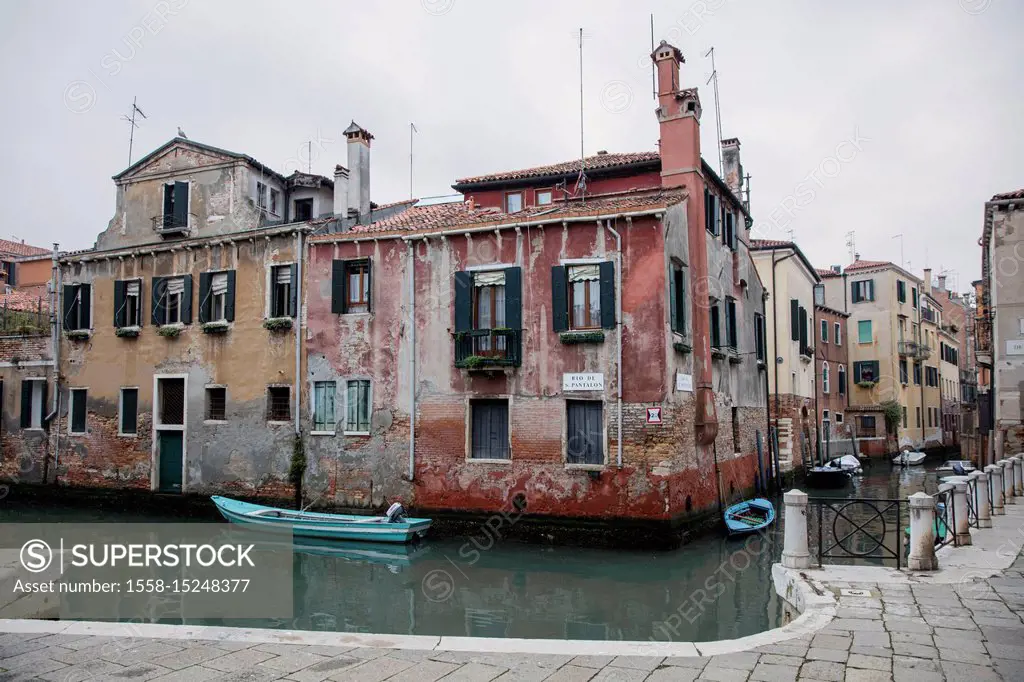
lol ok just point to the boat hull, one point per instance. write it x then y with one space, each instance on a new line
828 477
319 526
758 506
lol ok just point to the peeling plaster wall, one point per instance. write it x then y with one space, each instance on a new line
23 451
1007 300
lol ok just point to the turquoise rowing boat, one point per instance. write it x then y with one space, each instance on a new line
393 527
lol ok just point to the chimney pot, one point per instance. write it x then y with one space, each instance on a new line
732 167
602 152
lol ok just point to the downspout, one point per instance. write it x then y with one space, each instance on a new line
618 334
55 331
767 392
412 359
298 332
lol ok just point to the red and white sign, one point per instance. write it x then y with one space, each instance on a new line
653 415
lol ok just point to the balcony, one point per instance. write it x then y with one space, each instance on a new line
907 349
806 353
169 225
487 349
923 352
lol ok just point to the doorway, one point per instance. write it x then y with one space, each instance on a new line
169 454
169 433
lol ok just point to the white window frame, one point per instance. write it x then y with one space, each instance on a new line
312 408
223 296
369 398
83 304
824 331
261 195
269 300
274 195
839 417
36 414
839 333
71 410
137 321
844 384
825 415
120 412
540 192
826 378
206 404
522 204
167 299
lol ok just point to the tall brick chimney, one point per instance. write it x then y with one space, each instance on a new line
733 168
358 169
928 280
678 115
340 191
942 282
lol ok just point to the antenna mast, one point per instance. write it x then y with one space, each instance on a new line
134 125
852 245
654 80
718 109
900 237
582 183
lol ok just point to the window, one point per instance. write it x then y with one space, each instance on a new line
33 403
901 291
825 415
10 273
839 417
488 312
759 337
842 380
304 209
275 200
867 424
917 373
864 332
824 378
839 334
863 290
127 422
794 319
677 299
279 403
77 410
716 337
584 297
544 197
585 436
219 294
824 331
730 323
323 406
805 348
171 400
904 416
357 404
172 300
913 296
489 438
929 417
282 291
77 306
350 286
932 376
918 417
175 205
216 403
261 195
865 371
712 213
513 202
128 303
903 372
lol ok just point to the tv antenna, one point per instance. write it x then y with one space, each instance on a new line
900 237
581 182
134 125
654 80
851 244
718 109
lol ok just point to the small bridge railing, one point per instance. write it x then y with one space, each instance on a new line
865 530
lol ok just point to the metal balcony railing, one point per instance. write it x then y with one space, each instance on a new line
487 348
907 348
168 224
923 351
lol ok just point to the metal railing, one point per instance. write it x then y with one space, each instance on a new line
945 518
972 503
865 530
907 348
486 348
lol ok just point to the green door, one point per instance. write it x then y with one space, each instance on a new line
170 461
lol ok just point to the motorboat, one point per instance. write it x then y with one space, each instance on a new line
909 458
847 463
749 516
828 476
392 527
956 466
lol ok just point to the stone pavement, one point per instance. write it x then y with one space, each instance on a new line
972 630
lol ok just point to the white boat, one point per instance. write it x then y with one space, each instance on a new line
847 463
909 458
951 466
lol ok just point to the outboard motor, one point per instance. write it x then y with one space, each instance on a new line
958 469
395 513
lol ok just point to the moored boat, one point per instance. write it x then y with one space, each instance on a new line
908 458
749 516
827 477
956 466
392 527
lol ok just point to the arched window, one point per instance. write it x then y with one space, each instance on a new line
824 377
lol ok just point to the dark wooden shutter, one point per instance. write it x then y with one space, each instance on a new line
871 289
120 316
168 205
559 298
339 284
716 341
26 404
12 270
803 328
159 302
42 404
608 294
514 298
229 298
293 299
85 301
854 296
180 203
67 306
129 410
369 284
672 310
463 301
794 319
205 304
186 300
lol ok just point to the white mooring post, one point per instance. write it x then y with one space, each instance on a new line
995 476
1018 474
1007 481
922 533
983 504
794 546
960 513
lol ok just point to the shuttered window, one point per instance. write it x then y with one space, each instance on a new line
357 405
33 403
862 290
78 410
585 435
715 314
77 307
842 380
283 299
489 429
866 371
794 319
582 296
677 300
128 420
217 296
351 287
731 333
759 337
324 393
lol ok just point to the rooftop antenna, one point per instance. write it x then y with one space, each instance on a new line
718 109
412 129
851 244
790 233
134 125
746 186
581 183
654 80
309 157
900 237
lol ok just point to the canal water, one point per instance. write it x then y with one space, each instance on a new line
481 586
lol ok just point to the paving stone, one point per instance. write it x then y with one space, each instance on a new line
826 671
958 655
869 662
289 663
478 672
238 660
743 660
879 639
914 663
857 624
776 659
142 653
193 673
186 658
784 649
1015 653
724 674
673 674
906 610
831 642
373 670
1000 635
909 675
525 672
20 647
138 672
834 655
695 662
83 671
951 622
901 624
591 661
999 622
918 650
911 638
861 675
425 671
869 614
775 673
969 673
1010 670
617 674
637 662
250 675
321 671
871 651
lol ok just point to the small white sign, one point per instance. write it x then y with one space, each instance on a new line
684 382
1015 347
583 381
653 415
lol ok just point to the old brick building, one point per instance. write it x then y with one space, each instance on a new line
575 342
833 379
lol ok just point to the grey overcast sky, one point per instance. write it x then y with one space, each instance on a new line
929 90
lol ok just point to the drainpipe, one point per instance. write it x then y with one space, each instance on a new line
55 331
618 332
298 332
412 359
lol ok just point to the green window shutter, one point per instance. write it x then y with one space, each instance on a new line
463 301
186 301
607 274
26 404
180 204
339 275
707 209
293 299
78 412
514 298
803 328
159 302
12 276
168 205
229 298
119 311
871 289
559 298
794 319
205 304
672 311
369 285
716 339
85 300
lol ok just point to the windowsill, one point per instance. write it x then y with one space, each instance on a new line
78 334
78 433
129 332
358 313
569 466
356 433
215 327
322 433
215 421
271 422
127 435
479 460
34 428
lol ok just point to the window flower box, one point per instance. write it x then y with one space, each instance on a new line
128 332
866 384
682 347
170 331
278 324
569 338
78 334
217 327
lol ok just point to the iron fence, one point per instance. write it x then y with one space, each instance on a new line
972 503
863 530
31 322
945 518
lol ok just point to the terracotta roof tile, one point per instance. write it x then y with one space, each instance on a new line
827 272
756 244
1018 194
865 264
439 217
27 300
21 249
596 162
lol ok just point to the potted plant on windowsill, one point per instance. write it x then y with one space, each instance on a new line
866 383
78 334
170 331
278 324
130 332
216 327
582 336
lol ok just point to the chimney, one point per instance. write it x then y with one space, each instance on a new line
838 269
942 282
856 257
679 119
340 191
733 168
358 170
928 280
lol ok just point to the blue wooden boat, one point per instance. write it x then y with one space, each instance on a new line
749 516
393 527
